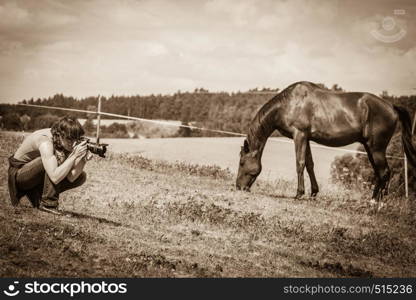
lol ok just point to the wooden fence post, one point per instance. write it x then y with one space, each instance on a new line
98 119
406 179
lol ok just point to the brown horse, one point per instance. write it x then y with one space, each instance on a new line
306 112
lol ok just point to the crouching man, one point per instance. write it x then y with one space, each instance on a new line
47 163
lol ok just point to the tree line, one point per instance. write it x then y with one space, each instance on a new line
223 111
220 111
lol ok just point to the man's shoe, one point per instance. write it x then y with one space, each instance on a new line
51 210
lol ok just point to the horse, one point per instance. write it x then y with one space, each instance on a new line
307 112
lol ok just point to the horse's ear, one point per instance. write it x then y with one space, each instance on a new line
245 148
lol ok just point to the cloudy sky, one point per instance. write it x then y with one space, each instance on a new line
91 47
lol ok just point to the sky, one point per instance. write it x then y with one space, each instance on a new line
129 47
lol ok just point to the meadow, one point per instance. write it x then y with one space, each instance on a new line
139 216
278 158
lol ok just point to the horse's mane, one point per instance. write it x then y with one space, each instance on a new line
262 124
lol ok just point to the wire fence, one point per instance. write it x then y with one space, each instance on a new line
100 113
164 123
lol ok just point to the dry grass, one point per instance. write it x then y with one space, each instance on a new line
137 217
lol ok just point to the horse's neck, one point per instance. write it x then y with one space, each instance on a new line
256 144
262 129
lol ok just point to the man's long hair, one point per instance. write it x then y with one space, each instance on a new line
65 127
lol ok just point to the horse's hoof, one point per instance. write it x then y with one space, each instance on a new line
299 196
313 194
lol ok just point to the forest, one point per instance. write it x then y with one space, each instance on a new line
220 111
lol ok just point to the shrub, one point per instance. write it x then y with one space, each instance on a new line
43 121
357 172
11 121
184 131
89 127
115 130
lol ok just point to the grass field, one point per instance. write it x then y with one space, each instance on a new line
278 158
140 217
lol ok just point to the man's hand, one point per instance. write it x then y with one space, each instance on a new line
89 156
80 153
80 150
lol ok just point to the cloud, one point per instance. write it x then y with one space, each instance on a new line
83 48
13 16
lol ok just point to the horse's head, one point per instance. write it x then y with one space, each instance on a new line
249 169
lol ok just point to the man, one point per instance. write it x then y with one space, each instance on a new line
48 162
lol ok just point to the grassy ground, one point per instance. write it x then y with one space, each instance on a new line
278 159
136 217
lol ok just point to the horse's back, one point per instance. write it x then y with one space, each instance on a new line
337 118
354 103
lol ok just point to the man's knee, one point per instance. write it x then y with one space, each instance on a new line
79 181
81 178
65 184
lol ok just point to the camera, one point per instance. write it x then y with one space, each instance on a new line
95 148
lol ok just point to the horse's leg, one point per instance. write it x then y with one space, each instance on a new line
309 168
301 141
381 163
377 133
376 171
377 157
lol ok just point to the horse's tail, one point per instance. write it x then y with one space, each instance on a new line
409 149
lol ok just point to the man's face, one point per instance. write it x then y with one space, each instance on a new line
68 143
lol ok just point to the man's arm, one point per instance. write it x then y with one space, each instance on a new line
56 173
77 168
